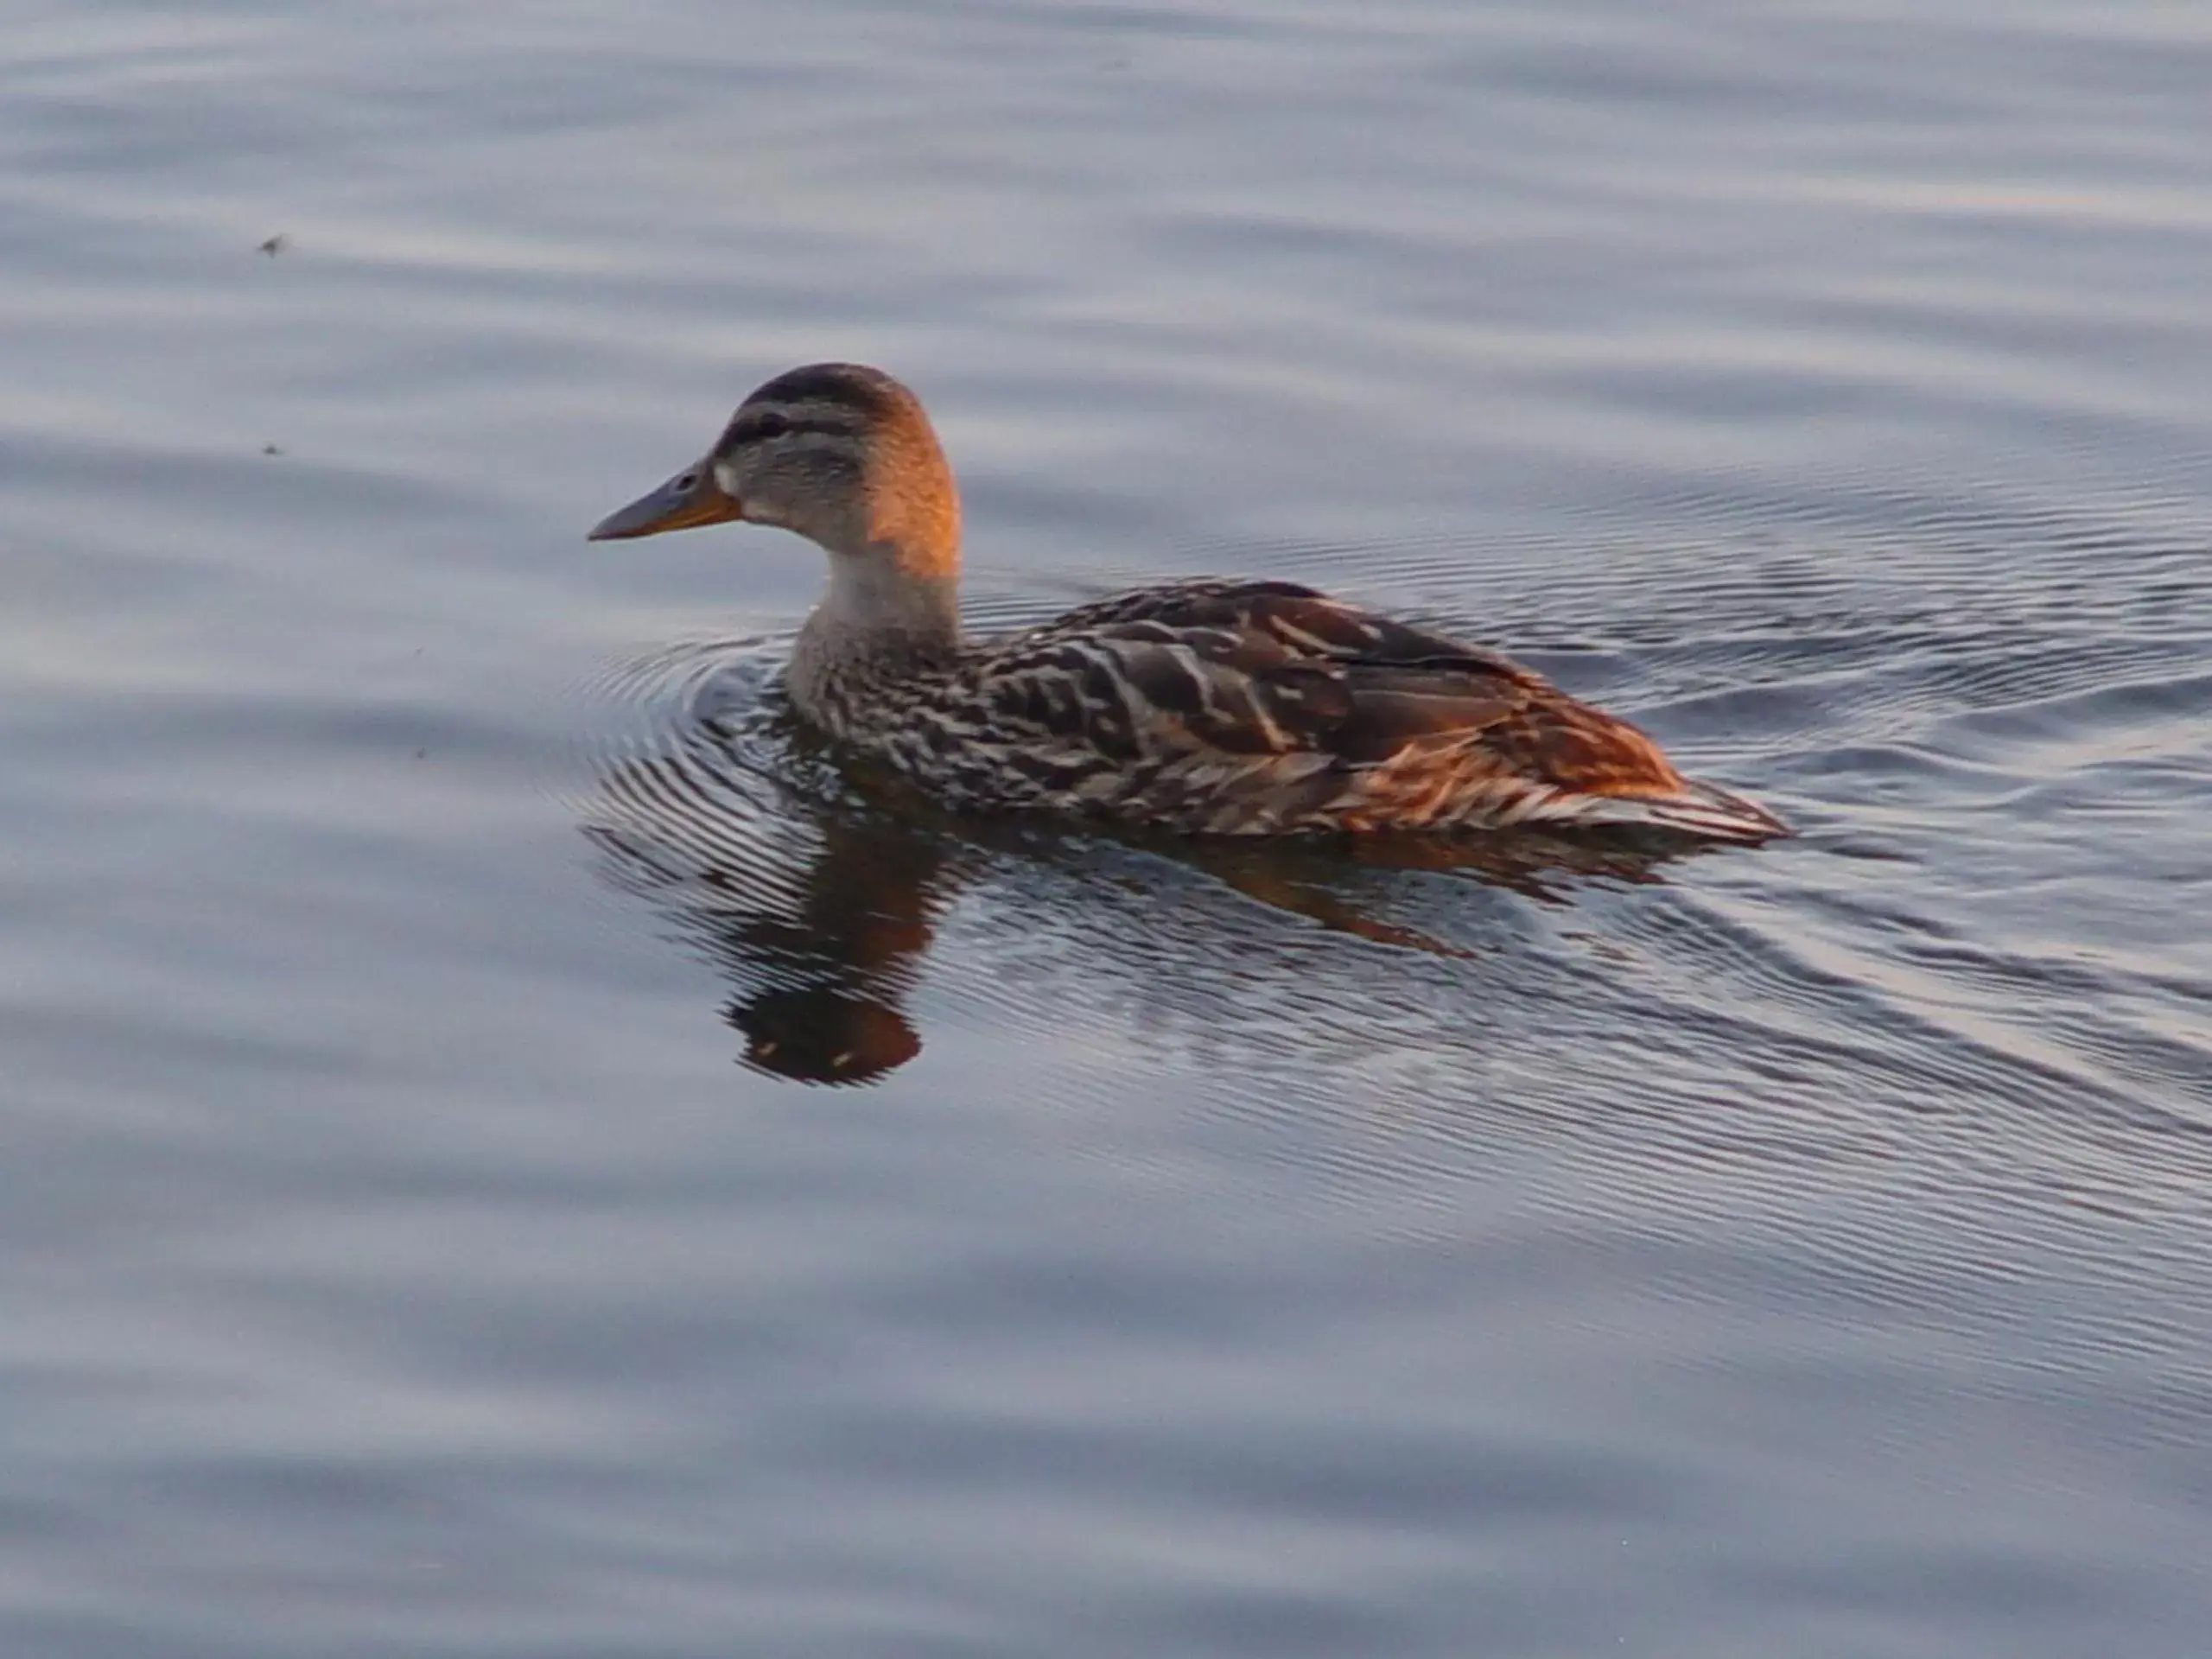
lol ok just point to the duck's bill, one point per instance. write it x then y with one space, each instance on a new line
690 497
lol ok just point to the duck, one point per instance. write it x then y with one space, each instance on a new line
1213 706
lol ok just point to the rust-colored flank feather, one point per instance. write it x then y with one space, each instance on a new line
1214 708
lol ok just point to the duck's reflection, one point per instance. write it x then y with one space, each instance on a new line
823 987
822 917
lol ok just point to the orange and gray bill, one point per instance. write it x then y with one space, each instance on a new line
690 497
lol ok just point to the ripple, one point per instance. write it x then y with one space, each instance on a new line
1616 1002
1235 1250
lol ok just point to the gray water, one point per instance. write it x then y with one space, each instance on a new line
415 1240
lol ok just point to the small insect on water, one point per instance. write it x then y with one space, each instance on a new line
276 245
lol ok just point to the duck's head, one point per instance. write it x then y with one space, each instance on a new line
840 453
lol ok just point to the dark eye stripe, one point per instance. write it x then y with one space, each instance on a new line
768 423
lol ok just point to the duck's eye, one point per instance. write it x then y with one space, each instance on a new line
767 424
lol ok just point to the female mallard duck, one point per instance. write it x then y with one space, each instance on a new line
1214 707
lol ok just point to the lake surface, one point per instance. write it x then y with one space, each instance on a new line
419 1238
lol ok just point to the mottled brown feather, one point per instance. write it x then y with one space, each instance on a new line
1220 707
1245 707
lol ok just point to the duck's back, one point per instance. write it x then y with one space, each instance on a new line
1252 708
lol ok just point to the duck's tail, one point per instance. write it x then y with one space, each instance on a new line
1696 808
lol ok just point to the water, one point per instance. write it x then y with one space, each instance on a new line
415 1240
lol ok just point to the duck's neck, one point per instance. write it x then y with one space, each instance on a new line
885 617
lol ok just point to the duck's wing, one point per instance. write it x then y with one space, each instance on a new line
1266 705
1274 667
1306 622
